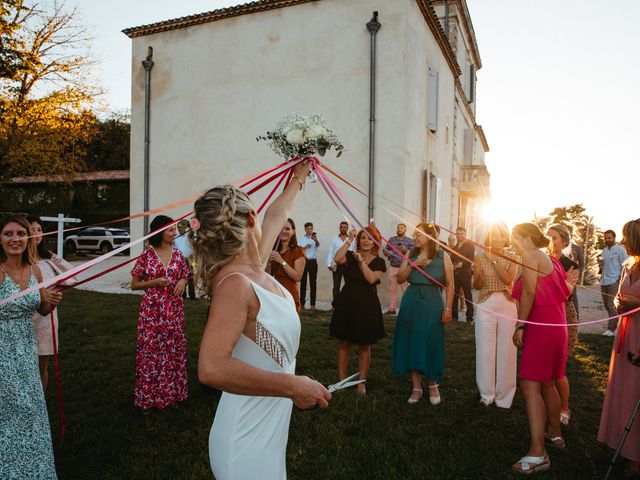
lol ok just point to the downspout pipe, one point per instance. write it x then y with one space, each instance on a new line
148 65
373 26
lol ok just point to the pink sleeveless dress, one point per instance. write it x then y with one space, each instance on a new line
623 386
544 353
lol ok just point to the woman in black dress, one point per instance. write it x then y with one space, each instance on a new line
357 317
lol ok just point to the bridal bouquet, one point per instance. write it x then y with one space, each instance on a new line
302 135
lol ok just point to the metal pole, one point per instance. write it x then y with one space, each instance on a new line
586 250
148 65
60 235
373 26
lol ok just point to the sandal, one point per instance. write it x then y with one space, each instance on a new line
434 399
528 464
416 399
555 442
565 416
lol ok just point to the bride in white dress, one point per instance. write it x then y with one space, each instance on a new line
250 343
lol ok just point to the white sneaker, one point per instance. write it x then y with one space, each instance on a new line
608 333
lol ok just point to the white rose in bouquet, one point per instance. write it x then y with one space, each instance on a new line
302 135
316 132
295 137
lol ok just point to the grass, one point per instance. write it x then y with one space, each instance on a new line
376 437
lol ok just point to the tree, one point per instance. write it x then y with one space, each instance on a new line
109 147
581 226
46 90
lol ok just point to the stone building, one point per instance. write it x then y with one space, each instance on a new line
221 78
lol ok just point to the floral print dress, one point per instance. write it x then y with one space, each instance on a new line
25 436
161 348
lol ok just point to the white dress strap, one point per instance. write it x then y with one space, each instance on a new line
229 275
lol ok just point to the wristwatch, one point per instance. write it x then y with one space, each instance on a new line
284 263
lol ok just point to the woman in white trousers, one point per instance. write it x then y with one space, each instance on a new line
496 355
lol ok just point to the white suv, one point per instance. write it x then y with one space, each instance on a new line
97 239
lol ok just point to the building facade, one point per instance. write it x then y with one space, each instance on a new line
221 78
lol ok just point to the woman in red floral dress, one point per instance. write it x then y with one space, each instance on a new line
161 348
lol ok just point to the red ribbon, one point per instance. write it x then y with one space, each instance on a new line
58 376
623 332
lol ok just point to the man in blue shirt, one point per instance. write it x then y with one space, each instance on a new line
404 244
612 259
310 243
182 243
337 270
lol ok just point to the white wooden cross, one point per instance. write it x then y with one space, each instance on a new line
61 221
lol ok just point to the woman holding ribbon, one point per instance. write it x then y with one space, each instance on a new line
560 241
50 265
623 386
250 343
357 317
287 261
496 355
161 348
418 345
541 291
25 436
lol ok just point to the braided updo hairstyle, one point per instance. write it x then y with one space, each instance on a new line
222 213
532 231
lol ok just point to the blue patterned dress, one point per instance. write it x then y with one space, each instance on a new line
25 435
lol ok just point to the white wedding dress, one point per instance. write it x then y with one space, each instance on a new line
248 439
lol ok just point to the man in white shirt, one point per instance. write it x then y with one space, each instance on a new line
310 243
337 270
612 259
182 243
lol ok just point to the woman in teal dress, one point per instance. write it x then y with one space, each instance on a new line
418 345
25 436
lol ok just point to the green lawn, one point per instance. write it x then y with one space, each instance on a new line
376 437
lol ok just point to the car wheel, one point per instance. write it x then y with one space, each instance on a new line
70 247
105 247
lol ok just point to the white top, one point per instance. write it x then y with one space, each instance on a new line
182 243
312 251
612 264
334 245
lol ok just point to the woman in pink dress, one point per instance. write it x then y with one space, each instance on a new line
161 349
623 386
541 291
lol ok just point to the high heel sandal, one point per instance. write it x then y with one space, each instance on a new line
434 399
412 399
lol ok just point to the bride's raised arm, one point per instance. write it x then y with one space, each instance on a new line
278 212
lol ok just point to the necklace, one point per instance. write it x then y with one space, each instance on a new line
16 277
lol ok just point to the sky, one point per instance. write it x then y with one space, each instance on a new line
557 96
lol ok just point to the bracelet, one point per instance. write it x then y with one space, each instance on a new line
299 181
520 327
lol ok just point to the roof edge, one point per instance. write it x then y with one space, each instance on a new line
211 16
429 14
